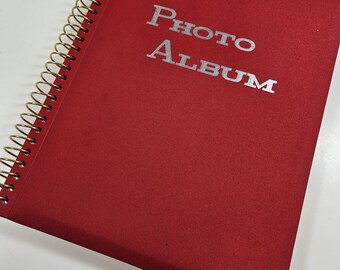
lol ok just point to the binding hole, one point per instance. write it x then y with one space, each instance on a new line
49 108
38 129
4 200
8 187
22 164
27 152
64 77
43 119
68 68
33 141
54 98
16 176
90 21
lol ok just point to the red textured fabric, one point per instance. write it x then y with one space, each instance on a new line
169 168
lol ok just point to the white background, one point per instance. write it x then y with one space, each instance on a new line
28 31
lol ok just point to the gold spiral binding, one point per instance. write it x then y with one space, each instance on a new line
57 60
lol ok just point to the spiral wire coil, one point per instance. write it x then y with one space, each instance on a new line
53 67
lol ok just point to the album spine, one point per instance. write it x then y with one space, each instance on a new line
44 99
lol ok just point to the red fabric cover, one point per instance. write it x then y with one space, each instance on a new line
168 168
